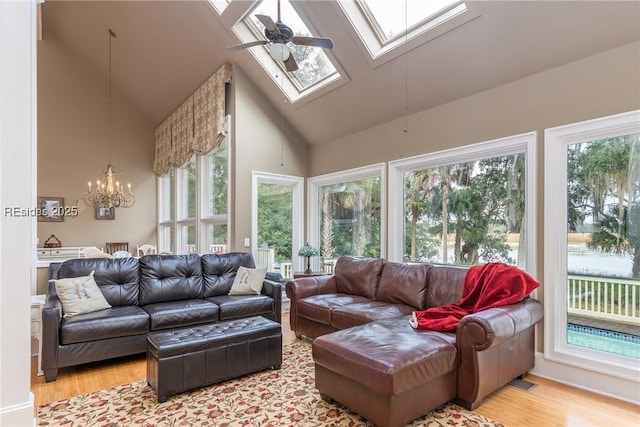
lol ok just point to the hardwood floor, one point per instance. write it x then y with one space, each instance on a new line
548 404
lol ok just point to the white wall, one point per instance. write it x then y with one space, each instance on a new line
17 184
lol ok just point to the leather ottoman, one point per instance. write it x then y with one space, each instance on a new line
198 356
386 371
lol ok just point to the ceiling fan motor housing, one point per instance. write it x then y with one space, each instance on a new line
283 35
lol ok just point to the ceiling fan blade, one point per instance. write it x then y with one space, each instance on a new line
268 23
322 42
291 64
246 45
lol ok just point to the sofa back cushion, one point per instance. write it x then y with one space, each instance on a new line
445 285
219 271
118 279
358 276
404 284
170 278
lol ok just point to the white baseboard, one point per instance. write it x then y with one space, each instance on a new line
606 385
20 415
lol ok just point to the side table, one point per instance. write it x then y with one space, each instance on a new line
37 302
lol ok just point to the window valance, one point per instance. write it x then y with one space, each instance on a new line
197 126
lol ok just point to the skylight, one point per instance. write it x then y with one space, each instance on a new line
391 18
220 5
318 72
313 63
384 26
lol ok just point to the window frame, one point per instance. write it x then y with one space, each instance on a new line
517 144
556 348
377 170
171 232
378 52
297 206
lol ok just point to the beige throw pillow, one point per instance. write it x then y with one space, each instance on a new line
248 281
80 295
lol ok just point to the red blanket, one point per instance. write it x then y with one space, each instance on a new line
485 286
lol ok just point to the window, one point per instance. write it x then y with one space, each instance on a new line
346 215
277 222
386 29
592 293
391 19
219 5
197 222
314 64
466 205
317 72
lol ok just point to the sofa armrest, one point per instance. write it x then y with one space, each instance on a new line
494 347
51 318
305 287
490 328
274 290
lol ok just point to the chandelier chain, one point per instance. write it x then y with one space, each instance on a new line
109 194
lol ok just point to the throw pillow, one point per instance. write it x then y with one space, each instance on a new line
80 295
248 281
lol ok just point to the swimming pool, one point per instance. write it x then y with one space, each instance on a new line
604 340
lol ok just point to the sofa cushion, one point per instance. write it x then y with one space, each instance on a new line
369 355
80 295
319 307
175 314
365 312
170 278
403 284
118 279
113 322
446 283
248 281
237 306
358 276
219 271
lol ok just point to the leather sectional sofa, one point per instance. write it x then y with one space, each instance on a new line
149 294
369 358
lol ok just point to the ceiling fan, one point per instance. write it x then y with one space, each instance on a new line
278 36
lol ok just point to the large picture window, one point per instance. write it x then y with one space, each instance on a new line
346 215
193 204
592 245
464 206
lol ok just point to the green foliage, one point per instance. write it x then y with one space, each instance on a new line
466 199
604 187
275 225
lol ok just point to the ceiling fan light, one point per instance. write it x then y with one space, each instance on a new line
280 51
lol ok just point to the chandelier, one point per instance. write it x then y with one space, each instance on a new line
109 193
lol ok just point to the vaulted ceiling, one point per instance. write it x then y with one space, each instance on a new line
166 49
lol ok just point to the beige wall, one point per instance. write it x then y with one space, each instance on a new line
258 146
73 149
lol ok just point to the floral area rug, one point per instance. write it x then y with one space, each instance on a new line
286 397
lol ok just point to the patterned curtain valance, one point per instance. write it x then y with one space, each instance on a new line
197 126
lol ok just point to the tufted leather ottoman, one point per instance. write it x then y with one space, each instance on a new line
386 371
188 358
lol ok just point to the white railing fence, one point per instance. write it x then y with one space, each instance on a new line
265 258
607 298
218 248
286 269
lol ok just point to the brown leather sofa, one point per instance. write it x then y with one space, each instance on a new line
150 294
370 359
